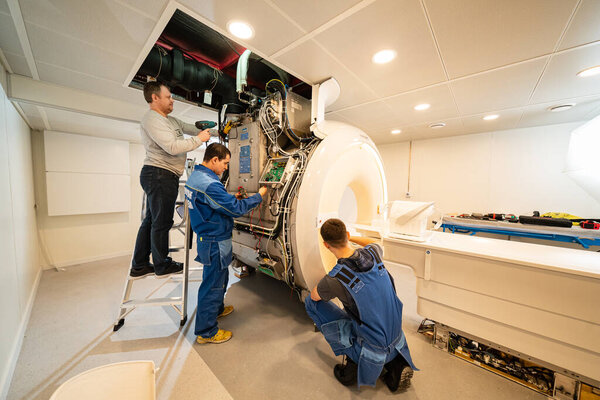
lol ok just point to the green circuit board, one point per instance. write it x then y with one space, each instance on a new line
275 173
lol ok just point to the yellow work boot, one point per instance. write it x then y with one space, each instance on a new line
220 337
226 311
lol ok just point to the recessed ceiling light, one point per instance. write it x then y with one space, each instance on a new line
240 29
421 107
438 125
396 131
589 71
383 56
490 117
561 107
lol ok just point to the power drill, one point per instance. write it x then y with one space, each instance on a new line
202 125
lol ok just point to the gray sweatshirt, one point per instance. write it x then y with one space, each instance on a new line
164 142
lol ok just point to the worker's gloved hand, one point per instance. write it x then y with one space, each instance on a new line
262 191
204 135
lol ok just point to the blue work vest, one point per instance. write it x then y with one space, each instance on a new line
379 330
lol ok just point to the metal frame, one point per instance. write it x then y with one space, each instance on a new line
584 242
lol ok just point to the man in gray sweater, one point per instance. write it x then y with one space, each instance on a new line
166 150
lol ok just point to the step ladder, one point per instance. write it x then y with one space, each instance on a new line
178 303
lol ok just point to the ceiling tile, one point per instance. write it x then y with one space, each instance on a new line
507 119
76 55
9 41
454 127
104 23
87 83
4 7
387 24
272 31
439 97
584 27
538 114
314 64
310 14
336 116
18 64
369 117
502 88
150 8
479 35
72 122
560 79
196 113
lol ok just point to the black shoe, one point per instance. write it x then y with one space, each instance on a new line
140 272
398 375
172 268
346 374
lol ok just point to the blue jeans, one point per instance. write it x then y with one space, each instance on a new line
161 187
338 328
215 277
324 313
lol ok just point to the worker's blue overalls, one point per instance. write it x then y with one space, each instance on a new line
377 338
212 210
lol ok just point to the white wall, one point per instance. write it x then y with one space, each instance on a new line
20 265
514 171
75 239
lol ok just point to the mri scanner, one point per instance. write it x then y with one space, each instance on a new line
539 303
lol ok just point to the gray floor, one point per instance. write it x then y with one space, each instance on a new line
274 352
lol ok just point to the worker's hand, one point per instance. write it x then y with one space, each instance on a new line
262 191
204 135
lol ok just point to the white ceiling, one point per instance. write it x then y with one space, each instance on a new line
467 58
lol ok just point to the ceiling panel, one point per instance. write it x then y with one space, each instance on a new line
72 122
9 41
439 97
538 114
507 119
76 55
313 63
584 27
369 117
560 79
479 35
310 14
150 8
499 89
18 64
272 31
4 7
335 116
195 113
88 83
104 23
454 127
387 24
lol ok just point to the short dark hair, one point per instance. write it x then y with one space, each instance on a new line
333 231
151 88
216 150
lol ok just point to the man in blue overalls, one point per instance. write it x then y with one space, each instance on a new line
369 329
212 210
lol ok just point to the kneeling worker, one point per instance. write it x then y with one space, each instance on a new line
369 329
212 210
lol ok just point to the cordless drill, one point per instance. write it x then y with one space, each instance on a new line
202 125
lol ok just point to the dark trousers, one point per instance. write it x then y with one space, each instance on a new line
161 187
